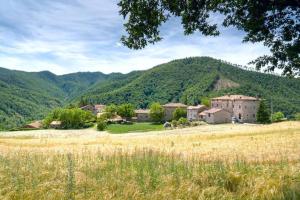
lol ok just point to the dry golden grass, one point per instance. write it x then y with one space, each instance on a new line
206 162
209 142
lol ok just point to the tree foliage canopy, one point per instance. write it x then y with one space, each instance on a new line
276 23
156 112
263 114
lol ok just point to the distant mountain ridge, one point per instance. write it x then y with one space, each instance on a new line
26 96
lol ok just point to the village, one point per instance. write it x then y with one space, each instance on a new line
224 109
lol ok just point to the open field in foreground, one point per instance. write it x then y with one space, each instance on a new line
206 162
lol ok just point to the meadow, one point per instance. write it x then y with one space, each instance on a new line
135 127
206 162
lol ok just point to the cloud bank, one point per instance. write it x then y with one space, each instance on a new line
65 36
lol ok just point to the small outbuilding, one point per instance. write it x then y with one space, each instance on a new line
34 125
55 124
142 115
216 116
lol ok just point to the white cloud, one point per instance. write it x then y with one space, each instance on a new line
66 36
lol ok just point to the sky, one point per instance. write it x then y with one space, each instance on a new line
65 36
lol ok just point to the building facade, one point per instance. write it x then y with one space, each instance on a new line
216 116
243 108
170 108
193 112
142 115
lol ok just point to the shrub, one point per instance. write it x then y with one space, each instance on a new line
174 123
101 125
206 101
263 114
74 118
111 111
126 111
297 116
277 117
156 112
179 113
183 121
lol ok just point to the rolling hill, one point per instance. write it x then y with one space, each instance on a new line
26 96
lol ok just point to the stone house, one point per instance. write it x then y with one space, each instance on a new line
193 112
142 115
170 108
216 116
89 108
99 108
243 108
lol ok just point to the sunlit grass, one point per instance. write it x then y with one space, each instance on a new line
211 162
135 127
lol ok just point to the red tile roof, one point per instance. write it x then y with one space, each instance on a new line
141 111
195 107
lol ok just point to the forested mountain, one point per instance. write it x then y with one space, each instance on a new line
26 96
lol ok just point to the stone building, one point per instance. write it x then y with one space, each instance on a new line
243 108
142 115
216 116
170 108
193 112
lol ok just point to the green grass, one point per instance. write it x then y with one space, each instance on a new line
136 127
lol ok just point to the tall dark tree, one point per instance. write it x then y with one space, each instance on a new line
263 114
276 23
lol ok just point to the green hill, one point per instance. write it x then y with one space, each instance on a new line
27 96
187 80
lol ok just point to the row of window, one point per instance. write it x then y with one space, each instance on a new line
217 105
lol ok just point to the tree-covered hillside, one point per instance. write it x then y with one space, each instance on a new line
187 80
27 96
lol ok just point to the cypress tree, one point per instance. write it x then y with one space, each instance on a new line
263 114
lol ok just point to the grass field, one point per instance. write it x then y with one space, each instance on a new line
135 127
206 162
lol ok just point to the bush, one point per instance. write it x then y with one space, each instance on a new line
263 114
277 117
156 112
183 121
126 111
74 118
101 125
111 111
179 113
297 116
174 123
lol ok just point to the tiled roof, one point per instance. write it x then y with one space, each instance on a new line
212 110
141 111
195 107
99 106
235 97
176 105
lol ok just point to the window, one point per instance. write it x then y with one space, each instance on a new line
227 105
232 106
245 106
208 114
217 105
240 116
239 106
253 115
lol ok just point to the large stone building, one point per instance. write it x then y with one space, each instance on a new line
193 112
170 108
243 108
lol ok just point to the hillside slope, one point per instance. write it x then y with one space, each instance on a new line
26 96
187 80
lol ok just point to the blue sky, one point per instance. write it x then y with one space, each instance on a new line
65 36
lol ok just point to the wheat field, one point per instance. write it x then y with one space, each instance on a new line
206 162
